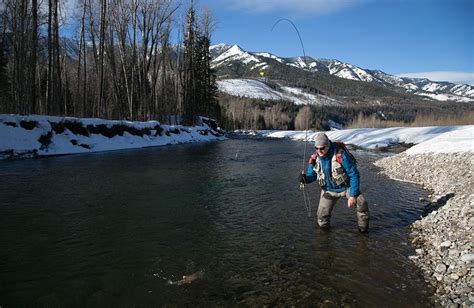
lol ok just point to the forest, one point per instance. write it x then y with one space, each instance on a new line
110 59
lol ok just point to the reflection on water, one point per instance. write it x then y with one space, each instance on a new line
114 229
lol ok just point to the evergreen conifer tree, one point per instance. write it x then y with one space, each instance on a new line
199 80
209 104
4 84
189 63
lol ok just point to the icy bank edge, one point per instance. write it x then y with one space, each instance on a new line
35 136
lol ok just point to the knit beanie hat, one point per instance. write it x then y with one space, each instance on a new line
321 140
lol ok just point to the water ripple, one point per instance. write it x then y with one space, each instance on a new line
114 228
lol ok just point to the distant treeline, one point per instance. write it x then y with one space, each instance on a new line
247 113
119 64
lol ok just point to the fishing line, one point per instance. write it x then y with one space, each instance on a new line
305 143
307 202
297 32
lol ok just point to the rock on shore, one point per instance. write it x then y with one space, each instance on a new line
444 238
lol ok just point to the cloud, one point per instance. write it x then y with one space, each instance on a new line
454 77
301 7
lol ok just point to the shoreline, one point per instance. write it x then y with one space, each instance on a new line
33 136
443 237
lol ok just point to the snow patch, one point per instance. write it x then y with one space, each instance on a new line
446 97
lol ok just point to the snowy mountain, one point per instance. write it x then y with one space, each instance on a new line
234 62
235 53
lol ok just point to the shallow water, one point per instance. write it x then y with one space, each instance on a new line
117 228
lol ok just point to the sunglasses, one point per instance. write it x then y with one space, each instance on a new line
320 149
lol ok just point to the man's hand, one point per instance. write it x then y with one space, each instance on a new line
351 202
302 178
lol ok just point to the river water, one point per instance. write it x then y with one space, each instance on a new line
119 229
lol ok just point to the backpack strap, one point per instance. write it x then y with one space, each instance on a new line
339 156
340 146
312 159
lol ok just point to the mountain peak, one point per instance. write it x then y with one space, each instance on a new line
235 53
235 49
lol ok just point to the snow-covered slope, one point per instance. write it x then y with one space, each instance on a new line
248 88
258 89
226 56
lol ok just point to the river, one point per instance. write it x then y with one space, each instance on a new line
119 229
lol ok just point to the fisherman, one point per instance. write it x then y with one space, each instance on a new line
335 170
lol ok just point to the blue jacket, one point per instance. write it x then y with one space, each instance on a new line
349 167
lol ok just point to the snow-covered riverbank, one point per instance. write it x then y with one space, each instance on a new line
32 136
461 137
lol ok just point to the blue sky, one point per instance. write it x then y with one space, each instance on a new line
417 38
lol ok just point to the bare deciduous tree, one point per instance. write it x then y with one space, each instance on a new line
122 64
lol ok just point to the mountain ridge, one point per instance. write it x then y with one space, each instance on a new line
232 61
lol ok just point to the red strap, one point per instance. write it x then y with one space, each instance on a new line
340 146
339 157
312 159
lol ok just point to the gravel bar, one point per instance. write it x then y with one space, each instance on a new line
444 238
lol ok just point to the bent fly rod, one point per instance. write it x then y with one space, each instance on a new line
307 202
